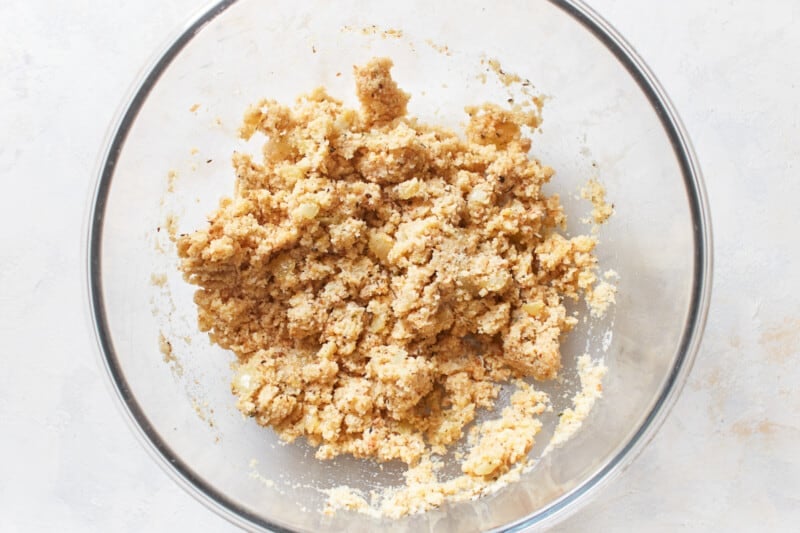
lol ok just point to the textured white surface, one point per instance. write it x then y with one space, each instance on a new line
726 459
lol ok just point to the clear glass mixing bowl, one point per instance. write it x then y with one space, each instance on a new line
605 116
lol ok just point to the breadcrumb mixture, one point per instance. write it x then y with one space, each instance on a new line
379 278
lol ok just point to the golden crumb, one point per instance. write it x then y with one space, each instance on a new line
171 223
596 193
441 48
372 29
521 93
507 78
172 177
601 297
165 347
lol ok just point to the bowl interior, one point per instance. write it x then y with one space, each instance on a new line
598 122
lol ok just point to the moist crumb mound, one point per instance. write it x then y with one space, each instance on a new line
379 278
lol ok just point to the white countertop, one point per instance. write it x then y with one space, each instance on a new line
727 457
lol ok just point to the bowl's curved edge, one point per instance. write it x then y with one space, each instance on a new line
115 138
702 271
560 509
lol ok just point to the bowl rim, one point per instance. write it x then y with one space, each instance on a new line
557 510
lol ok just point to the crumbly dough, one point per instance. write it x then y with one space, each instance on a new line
379 278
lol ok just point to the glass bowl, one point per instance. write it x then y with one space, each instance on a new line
168 161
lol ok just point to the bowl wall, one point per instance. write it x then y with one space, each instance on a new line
601 119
